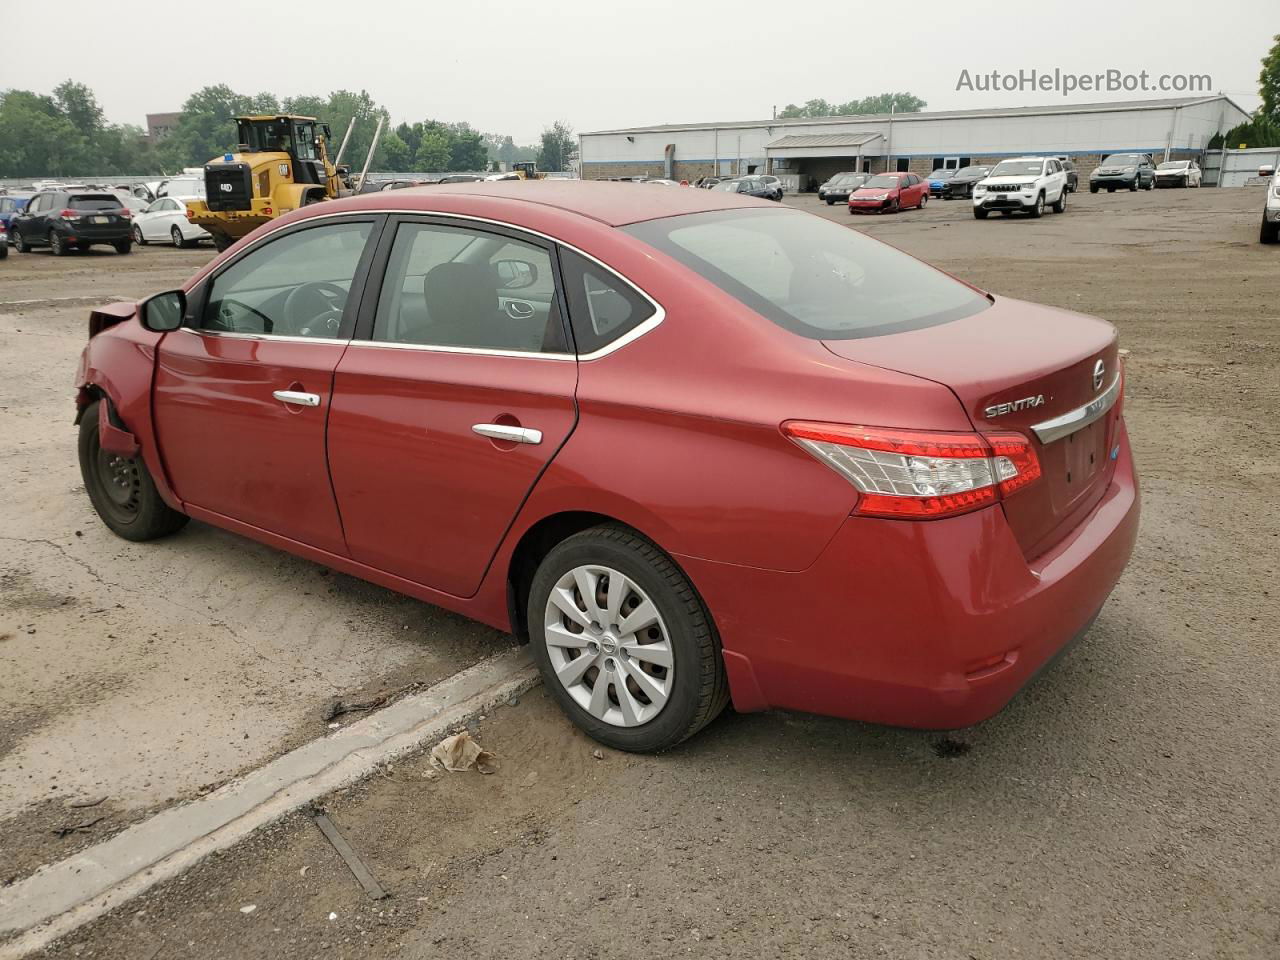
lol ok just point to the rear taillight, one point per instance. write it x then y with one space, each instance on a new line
124 212
920 474
69 214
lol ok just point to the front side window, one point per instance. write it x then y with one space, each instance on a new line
295 286
811 276
462 288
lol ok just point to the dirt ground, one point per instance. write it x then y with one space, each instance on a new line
1123 806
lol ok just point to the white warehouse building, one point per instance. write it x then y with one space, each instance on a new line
806 152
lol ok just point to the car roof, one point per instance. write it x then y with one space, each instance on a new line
611 203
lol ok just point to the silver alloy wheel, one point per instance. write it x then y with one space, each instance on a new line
608 646
176 236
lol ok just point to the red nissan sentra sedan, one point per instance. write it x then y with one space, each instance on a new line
890 193
692 447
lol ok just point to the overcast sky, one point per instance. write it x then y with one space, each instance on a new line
513 67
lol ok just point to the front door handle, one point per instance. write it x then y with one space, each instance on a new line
297 398
502 431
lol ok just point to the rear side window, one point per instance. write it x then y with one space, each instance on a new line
809 275
93 202
602 306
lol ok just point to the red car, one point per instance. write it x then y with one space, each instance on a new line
690 446
889 193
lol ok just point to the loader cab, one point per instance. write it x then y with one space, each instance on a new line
299 137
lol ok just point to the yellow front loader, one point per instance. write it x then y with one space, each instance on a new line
281 163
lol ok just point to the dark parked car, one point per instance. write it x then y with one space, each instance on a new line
461 178
11 204
961 183
68 221
750 187
840 186
1073 178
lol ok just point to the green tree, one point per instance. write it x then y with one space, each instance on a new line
78 104
559 146
38 138
878 103
393 154
1269 83
433 152
467 150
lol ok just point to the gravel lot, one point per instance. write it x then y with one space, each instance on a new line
1124 806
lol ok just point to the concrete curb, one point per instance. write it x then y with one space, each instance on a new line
62 896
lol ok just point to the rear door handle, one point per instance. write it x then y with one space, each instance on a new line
501 431
297 398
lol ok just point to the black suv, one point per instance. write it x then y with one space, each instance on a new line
72 219
960 186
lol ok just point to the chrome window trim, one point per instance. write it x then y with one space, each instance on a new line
630 336
1080 417
478 351
233 335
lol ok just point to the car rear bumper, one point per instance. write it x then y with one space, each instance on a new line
933 625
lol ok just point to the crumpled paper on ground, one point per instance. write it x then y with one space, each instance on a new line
460 752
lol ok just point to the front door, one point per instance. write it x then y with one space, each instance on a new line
242 392
456 393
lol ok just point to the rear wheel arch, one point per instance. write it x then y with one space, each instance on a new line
538 541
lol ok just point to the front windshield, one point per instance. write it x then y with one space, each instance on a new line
882 180
1018 168
941 174
972 172
1122 160
813 277
269 136
1173 165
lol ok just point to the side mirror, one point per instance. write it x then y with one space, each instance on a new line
516 274
1266 170
164 311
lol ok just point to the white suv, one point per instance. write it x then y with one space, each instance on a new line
1271 209
1022 183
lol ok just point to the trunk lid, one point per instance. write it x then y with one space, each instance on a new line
1014 366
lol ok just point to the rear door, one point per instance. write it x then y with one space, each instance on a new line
243 390
454 396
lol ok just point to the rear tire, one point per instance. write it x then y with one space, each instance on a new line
176 236
121 489
1092 188
1060 205
123 246
57 246
138 238
20 243
1270 232
830 203
221 243
696 685
924 198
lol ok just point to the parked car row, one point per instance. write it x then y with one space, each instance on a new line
65 218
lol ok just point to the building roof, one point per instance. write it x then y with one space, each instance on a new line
823 140
1053 109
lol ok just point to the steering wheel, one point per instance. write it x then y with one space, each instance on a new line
319 304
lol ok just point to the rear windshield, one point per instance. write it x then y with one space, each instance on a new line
94 202
809 275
